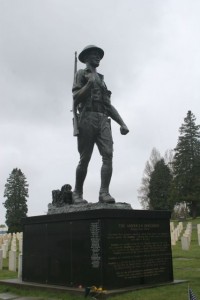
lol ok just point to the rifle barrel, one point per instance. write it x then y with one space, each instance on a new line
75 119
75 64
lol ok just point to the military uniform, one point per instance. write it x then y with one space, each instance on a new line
93 107
94 124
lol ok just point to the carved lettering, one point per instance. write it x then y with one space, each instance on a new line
95 244
138 250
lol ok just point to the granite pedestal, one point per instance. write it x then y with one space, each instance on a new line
105 247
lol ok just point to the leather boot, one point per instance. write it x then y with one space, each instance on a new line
105 197
77 198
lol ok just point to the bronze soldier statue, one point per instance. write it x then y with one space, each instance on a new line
93 107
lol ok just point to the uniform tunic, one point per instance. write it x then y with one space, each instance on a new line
94 124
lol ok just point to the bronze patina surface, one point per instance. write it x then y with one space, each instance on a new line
92 104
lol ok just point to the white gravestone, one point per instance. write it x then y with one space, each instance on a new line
185 242
1 259
173 241
20 266
20 244
12 261
4 248
198 233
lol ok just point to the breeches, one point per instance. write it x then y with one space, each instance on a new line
94 128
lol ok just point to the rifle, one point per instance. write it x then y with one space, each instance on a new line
74 110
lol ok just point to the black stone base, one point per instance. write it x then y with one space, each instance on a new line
109 248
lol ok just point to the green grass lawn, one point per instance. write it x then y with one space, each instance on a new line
186 265
5 274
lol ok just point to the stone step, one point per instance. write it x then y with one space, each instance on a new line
10 296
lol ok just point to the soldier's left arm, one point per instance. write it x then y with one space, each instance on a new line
113 113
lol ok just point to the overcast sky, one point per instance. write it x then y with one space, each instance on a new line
151 65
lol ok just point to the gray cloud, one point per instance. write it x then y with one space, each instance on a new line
151 65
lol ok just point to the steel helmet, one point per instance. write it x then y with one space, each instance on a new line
87 49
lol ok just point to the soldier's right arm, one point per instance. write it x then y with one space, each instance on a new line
82 87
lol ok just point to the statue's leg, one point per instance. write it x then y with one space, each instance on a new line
85 148
106 174
81 172
105 146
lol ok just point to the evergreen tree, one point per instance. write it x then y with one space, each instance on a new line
159 187
144 189
16 193
186 165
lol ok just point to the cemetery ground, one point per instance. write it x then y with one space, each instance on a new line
186 266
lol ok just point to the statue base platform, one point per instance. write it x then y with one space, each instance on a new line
67 208
111 248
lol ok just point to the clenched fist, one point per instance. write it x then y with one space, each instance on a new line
124 129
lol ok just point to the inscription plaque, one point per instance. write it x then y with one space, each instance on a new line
138 252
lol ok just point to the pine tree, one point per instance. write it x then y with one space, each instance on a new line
16 193
186 165
159 187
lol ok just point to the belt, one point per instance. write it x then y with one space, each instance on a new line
97 112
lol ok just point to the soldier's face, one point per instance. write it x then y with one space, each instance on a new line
93 58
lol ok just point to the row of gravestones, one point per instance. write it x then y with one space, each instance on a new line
11 248
186 237
176 232
11 244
